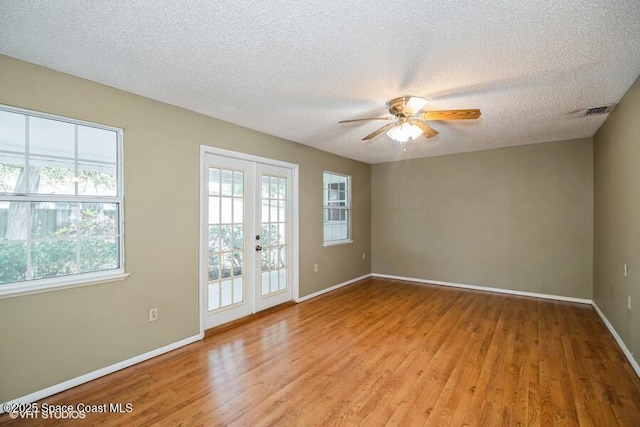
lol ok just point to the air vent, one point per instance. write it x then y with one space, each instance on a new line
594 111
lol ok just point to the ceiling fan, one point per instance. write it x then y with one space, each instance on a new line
409 119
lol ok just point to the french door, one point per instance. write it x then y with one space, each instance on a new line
247 237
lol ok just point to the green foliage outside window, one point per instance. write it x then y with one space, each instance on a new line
63 252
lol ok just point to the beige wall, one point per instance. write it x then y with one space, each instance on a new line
617 218
51 337
515 218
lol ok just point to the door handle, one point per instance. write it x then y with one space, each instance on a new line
258 248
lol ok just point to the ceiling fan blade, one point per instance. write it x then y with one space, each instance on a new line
379 131
366 119
427 131
451 115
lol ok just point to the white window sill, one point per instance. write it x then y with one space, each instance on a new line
337 242
58 283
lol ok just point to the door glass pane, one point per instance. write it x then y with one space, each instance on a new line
273 281
214 181
226 182
283 281
237 290
237 210
282 256
226 243
274 204
238 184
226 210
214 267
265 258
265 283
265 186
214 210
225 227
238 237
214 238
214 294
227 293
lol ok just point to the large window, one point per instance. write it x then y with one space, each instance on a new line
336 196
60 202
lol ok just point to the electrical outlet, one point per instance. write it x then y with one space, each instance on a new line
315 268
364 256
626 270
629 302
153 314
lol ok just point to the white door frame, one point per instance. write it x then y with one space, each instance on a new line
202 241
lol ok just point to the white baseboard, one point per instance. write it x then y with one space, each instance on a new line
621 343
485 288
332 288
54 389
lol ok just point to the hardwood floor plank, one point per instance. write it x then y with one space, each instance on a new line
382 352
556 393
486 357
516 389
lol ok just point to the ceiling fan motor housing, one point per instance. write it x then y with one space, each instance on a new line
406 105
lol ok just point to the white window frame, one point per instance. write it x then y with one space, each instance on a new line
347 208
81 279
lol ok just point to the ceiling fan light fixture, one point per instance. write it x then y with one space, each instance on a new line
409 119
404 132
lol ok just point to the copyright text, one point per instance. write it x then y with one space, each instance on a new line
78 411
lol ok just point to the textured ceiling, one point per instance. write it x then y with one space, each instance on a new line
295 68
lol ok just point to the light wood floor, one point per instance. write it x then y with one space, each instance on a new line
383 352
